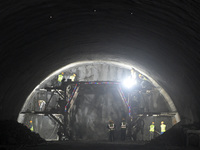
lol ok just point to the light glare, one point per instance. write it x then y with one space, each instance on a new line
129 82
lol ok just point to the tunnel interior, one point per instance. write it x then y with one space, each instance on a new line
97 96
160 39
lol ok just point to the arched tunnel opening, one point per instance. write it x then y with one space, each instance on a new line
100 42
81 108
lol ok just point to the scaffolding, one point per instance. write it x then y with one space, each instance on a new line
68 92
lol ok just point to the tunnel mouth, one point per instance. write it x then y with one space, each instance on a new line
98 96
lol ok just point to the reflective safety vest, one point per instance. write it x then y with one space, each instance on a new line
31 128
123 125
111 126
60 77
163 127
152 128
41 103
72 78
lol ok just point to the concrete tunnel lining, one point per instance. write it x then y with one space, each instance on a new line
123 65
163 37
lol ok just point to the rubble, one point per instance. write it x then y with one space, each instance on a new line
14 133
176 136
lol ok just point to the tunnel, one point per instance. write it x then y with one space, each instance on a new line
99 41
98 94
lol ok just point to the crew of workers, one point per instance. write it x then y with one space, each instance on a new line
61 78
152 129
124 126
144 83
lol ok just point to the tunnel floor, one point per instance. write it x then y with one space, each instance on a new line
173 139
94 145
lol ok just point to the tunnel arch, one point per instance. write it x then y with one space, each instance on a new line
73 67
123 65
161 36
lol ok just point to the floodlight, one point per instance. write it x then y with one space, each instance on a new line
129 82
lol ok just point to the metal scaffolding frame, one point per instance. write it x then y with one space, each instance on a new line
70 100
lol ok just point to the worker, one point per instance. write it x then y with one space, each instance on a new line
145 84
140 126
31 125
162 127
142 77
60 133
123 129
133 74
152 130
41 104
60 78
72 77
111 129
132 126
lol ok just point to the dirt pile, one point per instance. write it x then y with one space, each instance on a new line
176 136
14 133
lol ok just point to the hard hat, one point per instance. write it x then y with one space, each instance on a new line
140 75
74 74
62 73
31 121
162 121
153 122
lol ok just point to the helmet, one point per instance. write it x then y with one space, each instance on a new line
62 73
74 74
31 121
162 121
152 122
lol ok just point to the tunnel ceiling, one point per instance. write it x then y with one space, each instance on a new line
161 38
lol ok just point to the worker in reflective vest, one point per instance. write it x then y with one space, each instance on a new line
123 129
162 127
41 104
31 126
60 77
133 74
142 77
152 130
111 129
72 77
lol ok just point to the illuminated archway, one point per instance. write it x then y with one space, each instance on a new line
96 70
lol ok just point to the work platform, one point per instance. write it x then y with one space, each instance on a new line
69 91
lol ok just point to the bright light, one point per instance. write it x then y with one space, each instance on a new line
129 82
